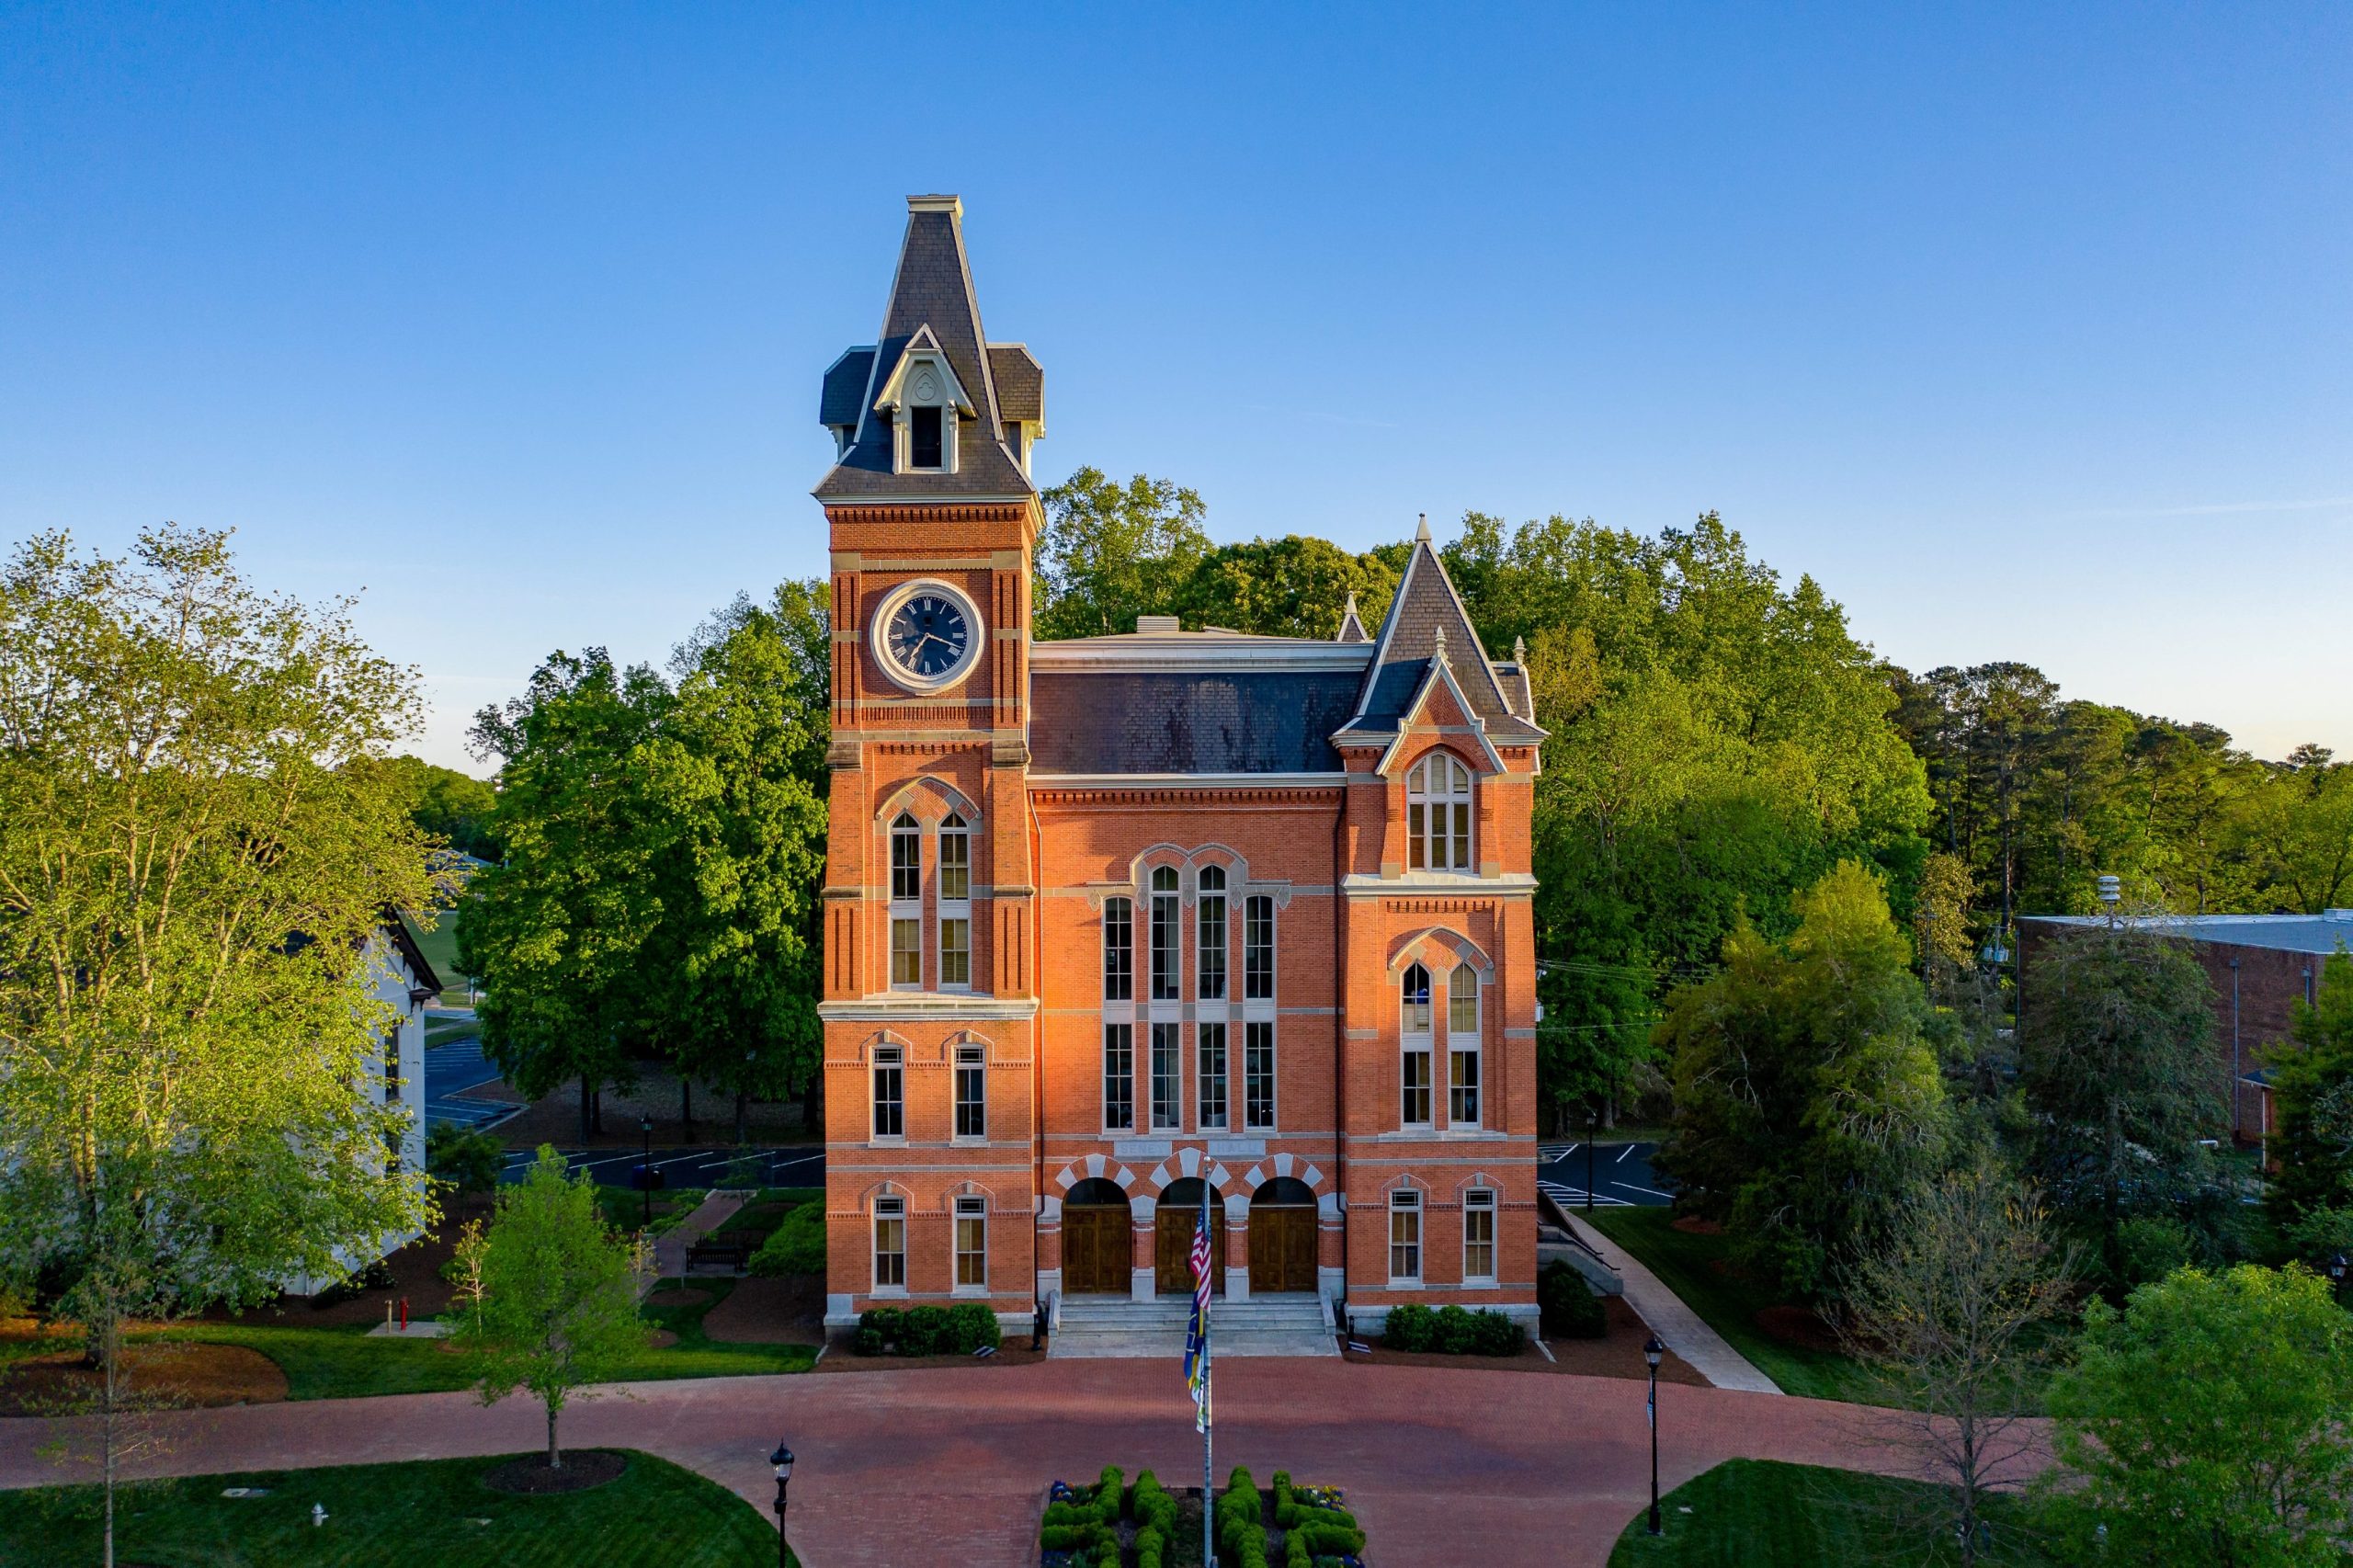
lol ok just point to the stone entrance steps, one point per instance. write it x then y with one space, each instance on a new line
1263 1325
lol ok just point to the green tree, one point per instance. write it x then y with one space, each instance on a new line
2205 1423
558 1293
449 806
199 840
1110 552
2311 1099
2115 1069
2300 823
1290 587
558 929
1807 1103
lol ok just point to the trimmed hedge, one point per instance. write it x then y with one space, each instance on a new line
1154 1512
1569 1308
925 1330
1241 1524
796 1246
1312 1530
1451 1330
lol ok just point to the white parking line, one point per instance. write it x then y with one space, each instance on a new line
1630 1186
1623 1152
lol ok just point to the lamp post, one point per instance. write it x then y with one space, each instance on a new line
645 1171
1654 1352
782 1460
1592 1133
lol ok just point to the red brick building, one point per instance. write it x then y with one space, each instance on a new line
1110 919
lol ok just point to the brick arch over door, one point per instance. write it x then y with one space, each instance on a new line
928 799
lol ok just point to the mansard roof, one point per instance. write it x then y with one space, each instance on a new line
1426 621
932 290
1021 384
1127 720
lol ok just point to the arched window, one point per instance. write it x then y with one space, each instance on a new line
955 906
1437 815
1119 950
1208 956
1462 1046
906 904
1168 962
1413 1011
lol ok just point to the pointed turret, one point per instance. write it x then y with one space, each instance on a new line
1351 626
1426 629
919 415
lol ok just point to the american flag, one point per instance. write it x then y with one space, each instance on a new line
1197 1335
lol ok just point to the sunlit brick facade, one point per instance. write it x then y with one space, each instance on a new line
1110 918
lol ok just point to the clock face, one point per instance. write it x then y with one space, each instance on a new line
929 636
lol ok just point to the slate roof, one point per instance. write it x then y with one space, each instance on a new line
2285 933
1020 382
933 288
845 382
1426 605
1188 720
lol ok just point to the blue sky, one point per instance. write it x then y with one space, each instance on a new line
2028 331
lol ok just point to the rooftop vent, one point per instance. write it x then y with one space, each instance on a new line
1156 626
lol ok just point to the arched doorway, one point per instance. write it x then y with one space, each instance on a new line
1282 1237
1178 1218
1098 1240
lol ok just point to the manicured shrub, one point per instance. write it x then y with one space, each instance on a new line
1454 1332
1568 1306
1495 1333
1411 1327
1333 1539
796 1246
971 1326
1241 1530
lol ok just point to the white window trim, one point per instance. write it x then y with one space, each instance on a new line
945 909
1274 1075
874 1245
1103 954
1151 1076
1226 1117
893 1057
963 1209
898 909
1491 1208
1266 1005
1476 1050
1412 1042
1103 1078
1202 894
969 1057
1417 792
1404 1200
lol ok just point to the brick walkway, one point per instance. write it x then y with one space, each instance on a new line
948 1465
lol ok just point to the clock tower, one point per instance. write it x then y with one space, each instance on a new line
930 1004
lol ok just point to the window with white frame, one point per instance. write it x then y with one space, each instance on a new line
955 903
1478 1236
1258 948
1413 1034
890 1243
1208 1041
1167 959
1437 815
1167 1073
926 438
1118 951
1259 1075
1209 952
890 1091
972 1244
1462 1046
906 904
971 1091
1118 1077
1405 1237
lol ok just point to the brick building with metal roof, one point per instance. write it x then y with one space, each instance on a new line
1114 919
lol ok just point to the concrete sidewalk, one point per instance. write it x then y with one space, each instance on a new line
1677 1325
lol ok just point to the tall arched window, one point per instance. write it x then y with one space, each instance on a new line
1462 1047
1118 951
1209 952
906 904
1437 815
955 903
1414 1018
1168 962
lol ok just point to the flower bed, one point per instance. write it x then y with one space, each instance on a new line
1112 1525
1451 1330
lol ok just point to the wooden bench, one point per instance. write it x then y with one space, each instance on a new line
731 1251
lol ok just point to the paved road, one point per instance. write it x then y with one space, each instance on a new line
799 1165
1446 1466
1621 1174
458 1064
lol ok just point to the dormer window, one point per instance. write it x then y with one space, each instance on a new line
925 444
1438 815
925 403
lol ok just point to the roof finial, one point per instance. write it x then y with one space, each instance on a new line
1520 650
1438 643
1422 534
1351 609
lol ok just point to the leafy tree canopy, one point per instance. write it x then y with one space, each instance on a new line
449 806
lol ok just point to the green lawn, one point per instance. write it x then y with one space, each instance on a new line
342 1362
1761 1514
393 1515
440 1031
439 947
1684 1264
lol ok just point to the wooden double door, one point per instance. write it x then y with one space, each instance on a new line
1172 1248
1282 1248
1098 1250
